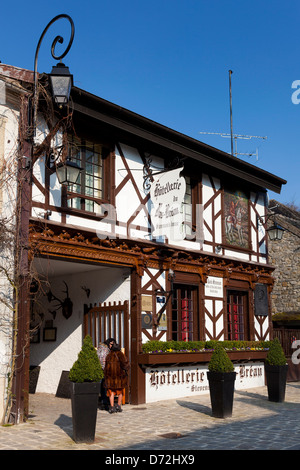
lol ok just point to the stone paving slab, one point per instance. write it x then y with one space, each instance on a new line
183 424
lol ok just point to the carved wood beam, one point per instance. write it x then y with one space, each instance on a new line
67 243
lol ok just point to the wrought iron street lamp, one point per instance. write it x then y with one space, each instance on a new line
60 77
275 232
61 81
61 84
67 172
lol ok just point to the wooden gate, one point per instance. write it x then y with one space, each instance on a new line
108 320
286 337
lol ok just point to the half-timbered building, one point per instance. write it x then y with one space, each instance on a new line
162 237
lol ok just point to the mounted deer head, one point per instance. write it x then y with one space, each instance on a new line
66 305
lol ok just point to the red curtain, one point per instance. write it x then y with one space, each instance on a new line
184 320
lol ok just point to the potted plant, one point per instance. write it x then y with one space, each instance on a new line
221 378
85 376
276 368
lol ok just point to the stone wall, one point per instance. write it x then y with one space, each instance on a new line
285 255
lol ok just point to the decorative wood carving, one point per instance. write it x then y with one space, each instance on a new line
60 242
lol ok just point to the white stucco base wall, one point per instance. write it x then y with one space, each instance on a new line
2 398
6 343
178 382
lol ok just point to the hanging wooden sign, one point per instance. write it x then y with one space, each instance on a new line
167 195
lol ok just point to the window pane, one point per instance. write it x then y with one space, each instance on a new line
182 314
236 316
175 315
89 157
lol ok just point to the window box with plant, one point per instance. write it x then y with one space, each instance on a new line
85 376
168 352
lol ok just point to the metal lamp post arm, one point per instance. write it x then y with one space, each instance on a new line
55 41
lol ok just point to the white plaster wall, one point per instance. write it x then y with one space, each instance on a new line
210 304
128 205
213 302
262 329
6 324
39 173
8 164
128 200
106 285
9 116
161 280
236 255
261 211
218 221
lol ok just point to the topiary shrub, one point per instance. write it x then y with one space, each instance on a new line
275 356
220 361
87 368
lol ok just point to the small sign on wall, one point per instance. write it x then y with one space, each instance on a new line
214 287
163 323
147 303
146 321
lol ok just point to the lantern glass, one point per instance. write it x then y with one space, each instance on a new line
68 172
61 82
275 232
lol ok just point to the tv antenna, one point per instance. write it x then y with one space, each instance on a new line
235 137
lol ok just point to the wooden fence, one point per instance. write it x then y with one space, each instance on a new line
286 337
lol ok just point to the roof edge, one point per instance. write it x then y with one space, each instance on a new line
138 121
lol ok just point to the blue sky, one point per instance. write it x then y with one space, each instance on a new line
168 60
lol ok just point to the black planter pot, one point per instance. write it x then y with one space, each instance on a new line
276 382
84 399
221 388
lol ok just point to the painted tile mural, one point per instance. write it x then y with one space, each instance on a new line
236 218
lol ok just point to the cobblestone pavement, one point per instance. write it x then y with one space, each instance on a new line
177 424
